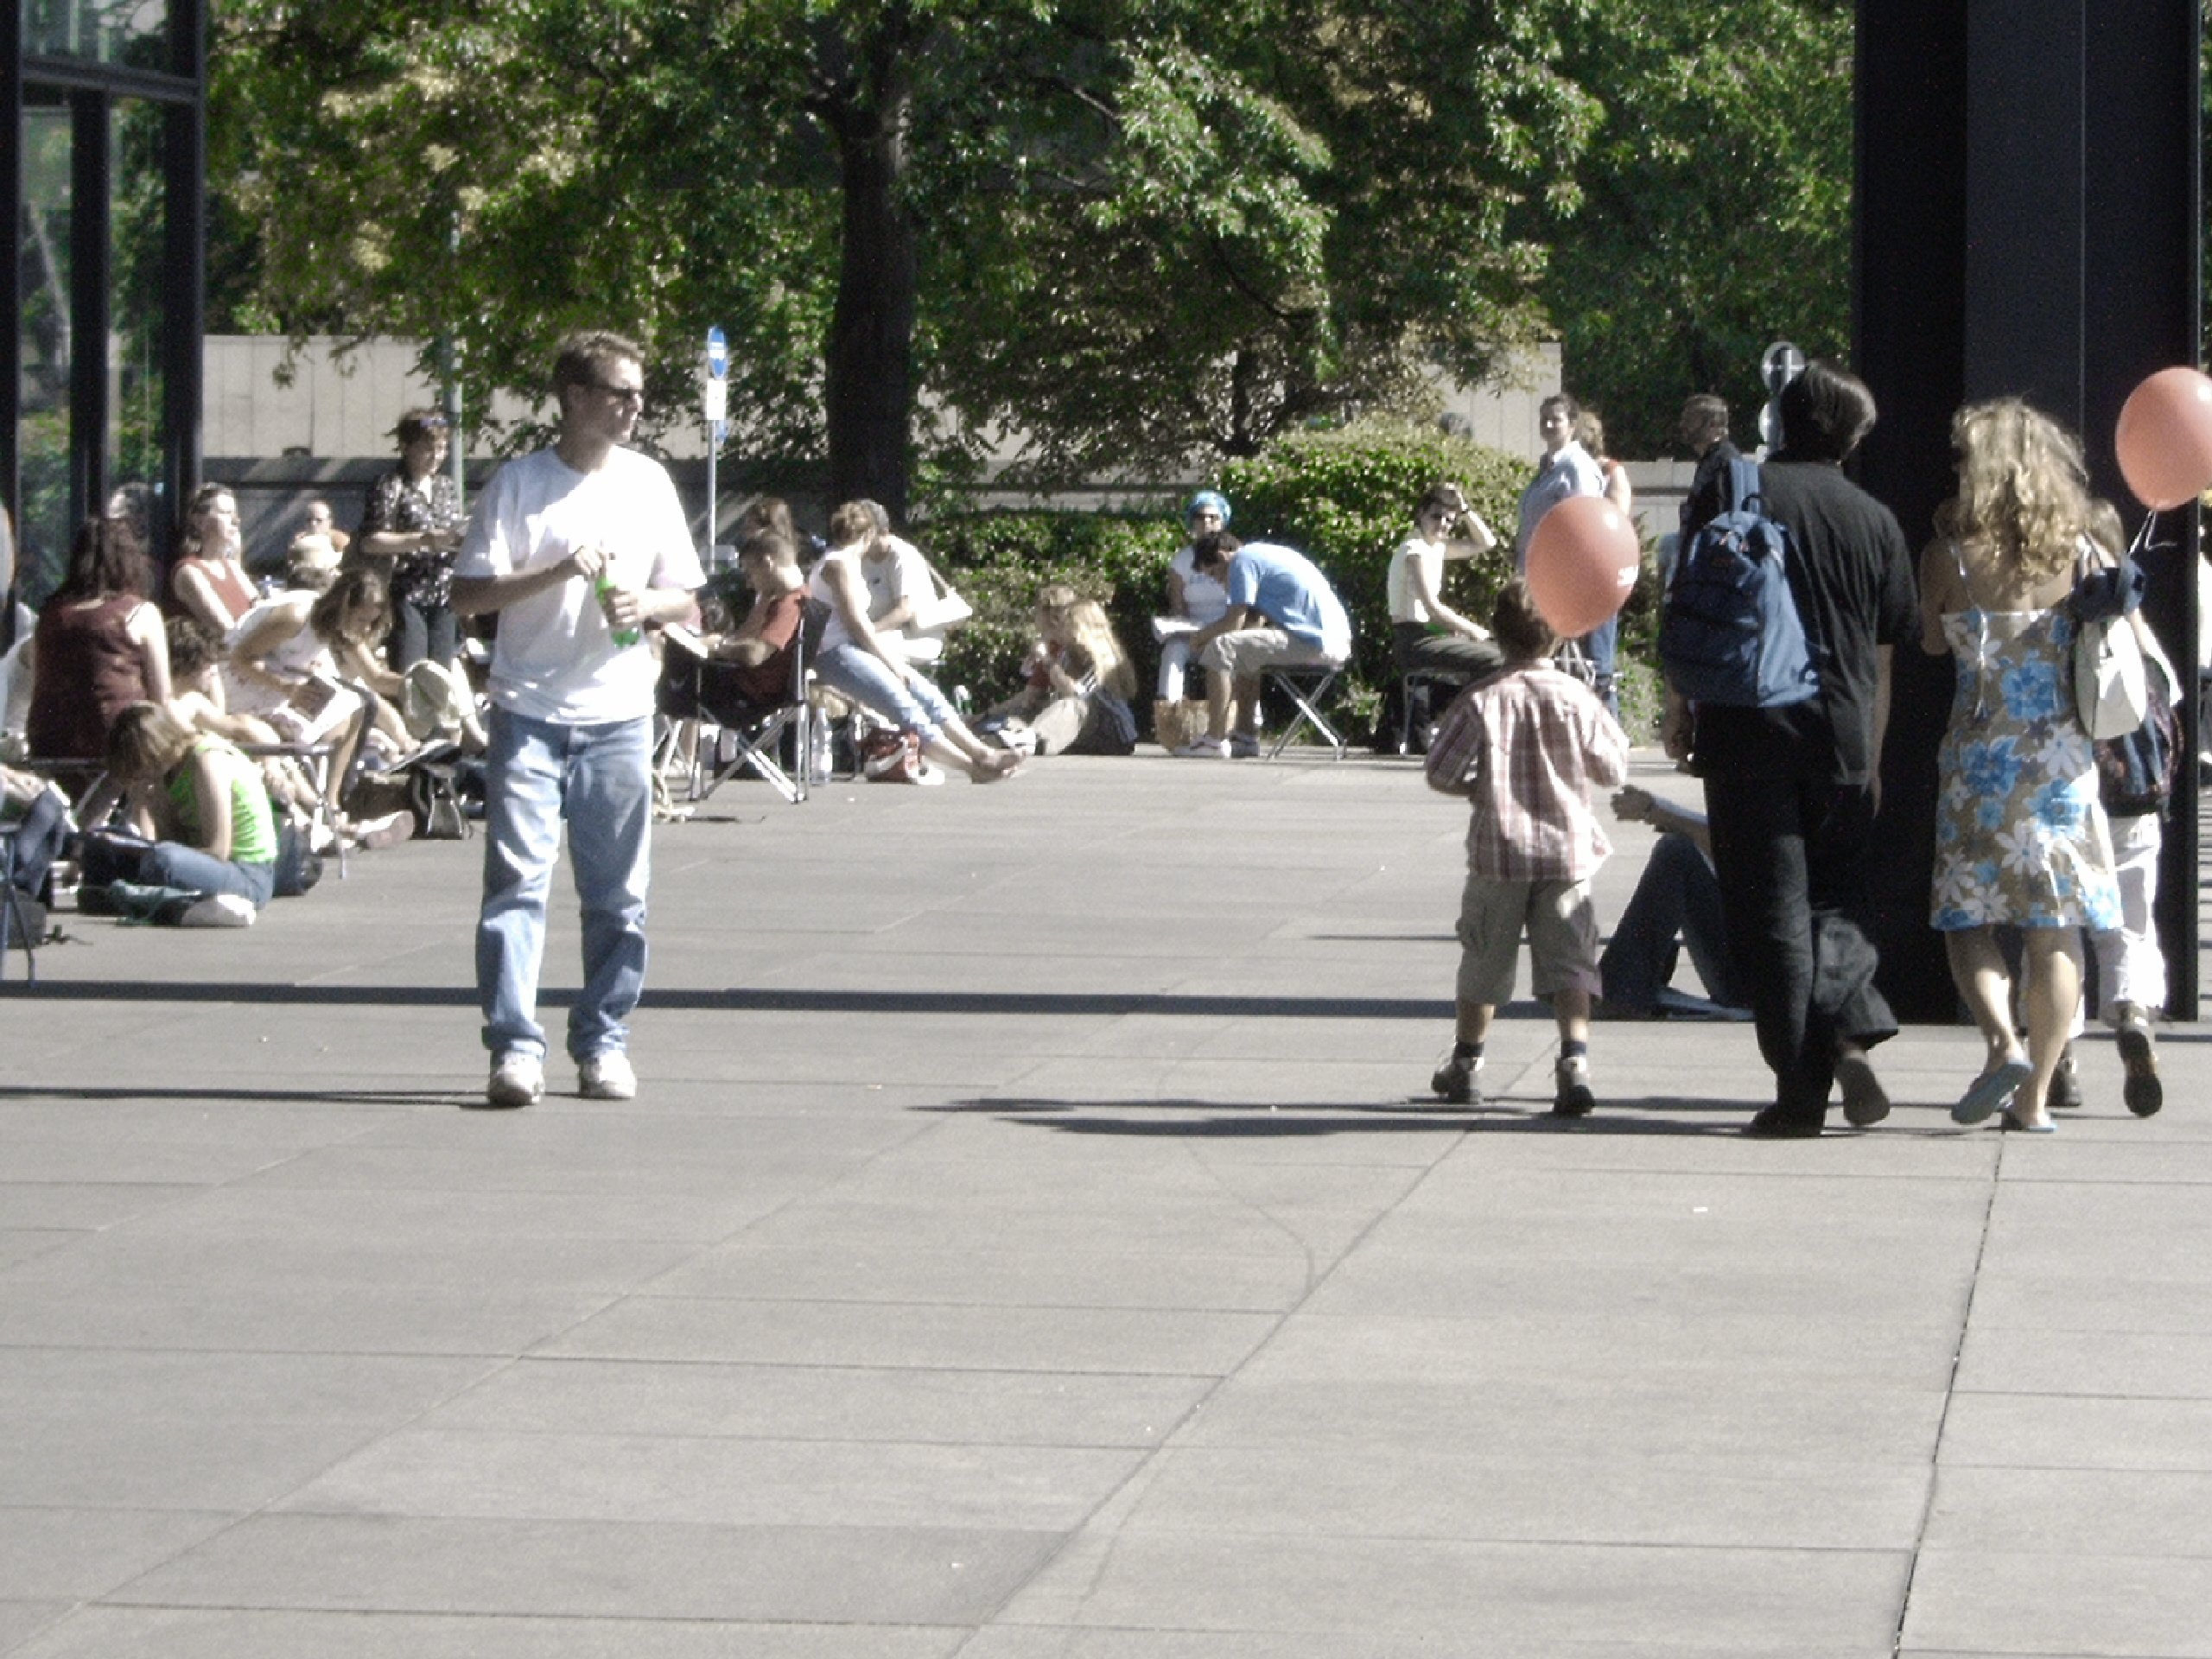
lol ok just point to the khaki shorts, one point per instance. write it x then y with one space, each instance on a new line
1243 655
1562 938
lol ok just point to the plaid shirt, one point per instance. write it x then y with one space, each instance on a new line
1524 747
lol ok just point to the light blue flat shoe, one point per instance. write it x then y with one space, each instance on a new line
1990 1091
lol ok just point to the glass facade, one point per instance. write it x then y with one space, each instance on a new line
46 344
136 434
134 33
106 102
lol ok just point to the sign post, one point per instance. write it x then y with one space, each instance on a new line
716 410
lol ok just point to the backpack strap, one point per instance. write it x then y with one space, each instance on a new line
1742 485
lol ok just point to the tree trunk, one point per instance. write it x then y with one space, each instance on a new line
868 395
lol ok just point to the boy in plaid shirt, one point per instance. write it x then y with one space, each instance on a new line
1525 748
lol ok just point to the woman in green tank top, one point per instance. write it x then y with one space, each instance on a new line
202 800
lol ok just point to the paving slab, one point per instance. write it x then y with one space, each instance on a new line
1034 1240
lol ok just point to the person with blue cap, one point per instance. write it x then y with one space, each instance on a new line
1195 600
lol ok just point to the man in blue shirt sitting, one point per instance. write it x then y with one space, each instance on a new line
1282 612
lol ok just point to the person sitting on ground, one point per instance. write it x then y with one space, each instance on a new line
1676 904
209 580
203 803
1523 749
1077 697
317 521
197 698
1426 635
1194 600
855 661
1281 613
98 646
293 647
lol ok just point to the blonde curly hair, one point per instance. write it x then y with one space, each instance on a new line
2023 490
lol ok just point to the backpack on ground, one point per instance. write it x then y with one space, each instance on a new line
1729 631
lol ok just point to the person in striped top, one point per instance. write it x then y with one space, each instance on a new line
1525 748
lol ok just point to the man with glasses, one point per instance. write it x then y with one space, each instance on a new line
577 547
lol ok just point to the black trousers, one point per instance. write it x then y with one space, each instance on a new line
1793 856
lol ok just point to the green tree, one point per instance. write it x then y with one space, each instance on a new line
1715 211
1137 228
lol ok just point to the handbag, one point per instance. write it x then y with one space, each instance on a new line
942 611
2112 690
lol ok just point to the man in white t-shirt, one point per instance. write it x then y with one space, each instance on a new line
578 548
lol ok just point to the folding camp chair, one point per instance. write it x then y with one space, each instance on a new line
1306 685
696 688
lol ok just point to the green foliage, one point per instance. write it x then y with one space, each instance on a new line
1715 214
1145 231
1345 499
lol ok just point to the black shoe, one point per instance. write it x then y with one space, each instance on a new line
2065 1094
1865 1103
2143 1092
1571 1096
1455 1083
1772 1123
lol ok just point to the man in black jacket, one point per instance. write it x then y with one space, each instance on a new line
1792 792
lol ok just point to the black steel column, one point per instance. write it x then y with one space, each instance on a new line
11 291
184 326
90 282
2028 213
1908 318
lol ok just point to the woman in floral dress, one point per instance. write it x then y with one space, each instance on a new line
2020 840
410 534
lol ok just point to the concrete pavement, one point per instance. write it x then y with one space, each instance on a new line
1033 1239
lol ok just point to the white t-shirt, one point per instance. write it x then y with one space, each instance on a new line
834 632
1204 600
556 660
1405 601
904 576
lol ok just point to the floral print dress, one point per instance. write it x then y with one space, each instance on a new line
2019 835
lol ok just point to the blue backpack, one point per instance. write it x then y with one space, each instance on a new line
1729 632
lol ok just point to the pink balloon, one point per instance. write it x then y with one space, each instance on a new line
1582 562
2164 438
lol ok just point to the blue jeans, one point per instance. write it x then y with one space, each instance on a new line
913 705
600 779
1601 646
1676 904
173 864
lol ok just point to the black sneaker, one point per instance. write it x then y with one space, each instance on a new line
2065 1094
2142 1091
1865 1103
1571 1083
1455 1082
1772 1123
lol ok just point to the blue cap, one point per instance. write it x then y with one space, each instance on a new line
1212 498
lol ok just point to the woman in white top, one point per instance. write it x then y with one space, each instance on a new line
1192 594
1426 635
854 659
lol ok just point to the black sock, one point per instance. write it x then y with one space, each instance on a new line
1466 1050
1570 1049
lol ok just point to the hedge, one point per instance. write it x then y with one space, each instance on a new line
1345 497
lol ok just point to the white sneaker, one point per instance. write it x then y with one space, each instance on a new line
218 910
1206 748
518 1079
607 1076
